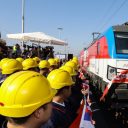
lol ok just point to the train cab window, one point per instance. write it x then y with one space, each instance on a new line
121 40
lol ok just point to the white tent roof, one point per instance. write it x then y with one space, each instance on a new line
38 37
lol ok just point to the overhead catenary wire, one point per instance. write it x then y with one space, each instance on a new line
106 14
113 15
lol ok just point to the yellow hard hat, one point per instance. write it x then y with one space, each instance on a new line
20 59
59 78
75 61
57 60
75 58
52 62
29 63
69 69
3 61
37 59
71 64
24 92
10 66
44 64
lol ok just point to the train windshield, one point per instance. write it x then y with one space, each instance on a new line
121 40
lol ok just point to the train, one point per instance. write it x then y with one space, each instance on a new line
106 61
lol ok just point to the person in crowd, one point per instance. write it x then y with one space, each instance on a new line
72 99
44 67
76 96
33 52
8 67
62 82
9 51
1 53
3 49
53 64
50 52
1 62
26 51
30 64
72 64
20 59
16 51
19 104
37 59
58 62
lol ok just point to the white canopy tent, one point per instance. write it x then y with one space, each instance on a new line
38 37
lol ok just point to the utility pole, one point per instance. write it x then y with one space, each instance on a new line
23 8
60 31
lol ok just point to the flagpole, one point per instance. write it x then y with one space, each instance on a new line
85 99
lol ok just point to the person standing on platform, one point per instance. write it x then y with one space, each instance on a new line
44 67
62 82
30 64
19 103
53 64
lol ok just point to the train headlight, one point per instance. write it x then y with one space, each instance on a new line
111 72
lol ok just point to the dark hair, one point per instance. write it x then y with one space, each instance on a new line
22 120
59 91
34 69
18 120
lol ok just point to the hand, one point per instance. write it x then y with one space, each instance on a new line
84 91
102 99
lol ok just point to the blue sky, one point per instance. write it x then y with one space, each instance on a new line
78 18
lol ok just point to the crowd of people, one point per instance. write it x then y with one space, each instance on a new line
26 51
39 92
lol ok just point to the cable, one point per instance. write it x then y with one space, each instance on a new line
106 12
112 16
